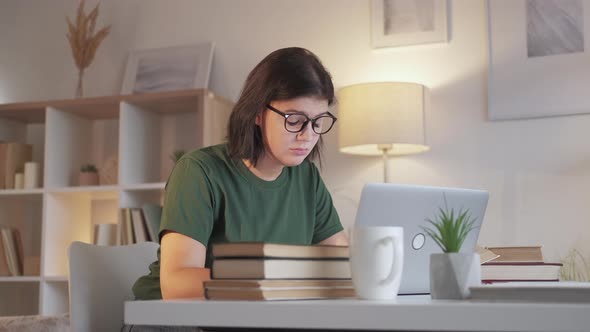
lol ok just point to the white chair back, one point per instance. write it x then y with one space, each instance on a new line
100 282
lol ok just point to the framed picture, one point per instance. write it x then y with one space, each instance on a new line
408 22
168 69
539 65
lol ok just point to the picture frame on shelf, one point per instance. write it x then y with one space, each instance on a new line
397 23
538 64
168 69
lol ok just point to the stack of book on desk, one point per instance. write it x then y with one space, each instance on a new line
518 264
267 271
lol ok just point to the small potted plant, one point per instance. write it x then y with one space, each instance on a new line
176 155
88 175
452 272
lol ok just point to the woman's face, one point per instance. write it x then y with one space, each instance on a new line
284 148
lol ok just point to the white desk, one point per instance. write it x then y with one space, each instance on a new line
417 313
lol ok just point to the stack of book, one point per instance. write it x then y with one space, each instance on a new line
518 264
268 271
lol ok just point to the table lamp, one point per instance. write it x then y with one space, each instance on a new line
382 119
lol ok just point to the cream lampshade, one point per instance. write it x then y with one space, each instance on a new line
382 119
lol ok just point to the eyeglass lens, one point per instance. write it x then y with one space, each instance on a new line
321 125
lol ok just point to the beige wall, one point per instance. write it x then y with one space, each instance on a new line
537 171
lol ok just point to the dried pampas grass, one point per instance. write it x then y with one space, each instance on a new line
83 41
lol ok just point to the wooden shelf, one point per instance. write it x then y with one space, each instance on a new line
21 192
21 279
137 133
83 189
56 279
145 186
107 107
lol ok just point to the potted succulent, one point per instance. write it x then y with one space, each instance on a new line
88 175
452 272
176 155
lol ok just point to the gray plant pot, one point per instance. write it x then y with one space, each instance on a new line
451 275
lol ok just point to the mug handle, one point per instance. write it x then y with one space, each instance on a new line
392 271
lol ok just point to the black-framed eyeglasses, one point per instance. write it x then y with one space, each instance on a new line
296 122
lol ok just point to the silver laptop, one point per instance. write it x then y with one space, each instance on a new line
408 206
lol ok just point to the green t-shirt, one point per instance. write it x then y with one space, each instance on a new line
214 199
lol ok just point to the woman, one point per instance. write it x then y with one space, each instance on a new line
260 186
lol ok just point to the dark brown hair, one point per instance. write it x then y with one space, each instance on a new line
284 74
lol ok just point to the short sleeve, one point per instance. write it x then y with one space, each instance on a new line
327 220
188 206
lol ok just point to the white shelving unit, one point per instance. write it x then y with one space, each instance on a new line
141 131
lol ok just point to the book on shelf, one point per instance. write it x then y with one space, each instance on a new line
519 271
260 268
4 269
13 250
153 215
140 232
105 234
569 292
125 229
139 224
264 249
518 254
13 156
277 289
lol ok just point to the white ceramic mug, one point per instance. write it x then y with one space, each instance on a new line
376 261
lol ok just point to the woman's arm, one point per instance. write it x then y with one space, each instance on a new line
182 272
338 239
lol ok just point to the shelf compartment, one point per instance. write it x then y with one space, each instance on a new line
155 128
75 140
71 216
26 133
23 295
136 198
25 213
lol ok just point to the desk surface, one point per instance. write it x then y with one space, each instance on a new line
406 313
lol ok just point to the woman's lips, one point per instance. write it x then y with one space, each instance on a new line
300 152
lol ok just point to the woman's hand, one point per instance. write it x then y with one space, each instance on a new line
338 239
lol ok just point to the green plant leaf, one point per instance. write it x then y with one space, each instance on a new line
176 155
450 229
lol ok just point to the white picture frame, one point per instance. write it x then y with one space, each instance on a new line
524 83
168 69
408 22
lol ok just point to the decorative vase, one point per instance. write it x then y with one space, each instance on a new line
451 275
88 179
31 175
80 88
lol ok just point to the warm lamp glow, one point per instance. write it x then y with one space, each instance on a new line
384 118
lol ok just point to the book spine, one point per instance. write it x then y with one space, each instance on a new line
499 281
